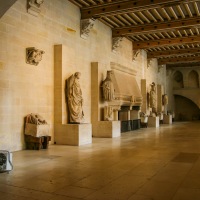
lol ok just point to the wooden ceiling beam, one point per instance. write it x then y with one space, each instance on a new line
114 8
193 64
165 42
189 23
157 54
164 61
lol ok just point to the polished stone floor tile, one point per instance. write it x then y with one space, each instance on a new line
147 164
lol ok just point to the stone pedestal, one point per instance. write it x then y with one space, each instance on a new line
73 134
153 122
106 129
37 130
167 119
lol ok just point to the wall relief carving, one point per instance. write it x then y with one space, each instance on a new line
33 56
33 7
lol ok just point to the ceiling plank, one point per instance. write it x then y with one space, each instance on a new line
165 42
193 64
109 9
189 23
164 61
157 54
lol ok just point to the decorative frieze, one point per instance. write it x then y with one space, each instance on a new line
116 43
33 56
86 26
33 7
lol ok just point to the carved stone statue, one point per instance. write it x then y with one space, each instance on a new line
33 56
108 88
35 119
152 97
108 113
74 99
165 99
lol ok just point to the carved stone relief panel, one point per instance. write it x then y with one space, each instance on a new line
33 7
33 55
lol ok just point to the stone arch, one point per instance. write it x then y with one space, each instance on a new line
190 111
193 79
178 80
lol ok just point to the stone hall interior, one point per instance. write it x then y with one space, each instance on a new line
100 99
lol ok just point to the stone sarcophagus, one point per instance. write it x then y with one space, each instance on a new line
36 126
36 132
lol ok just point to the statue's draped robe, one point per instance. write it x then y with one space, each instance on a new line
75 100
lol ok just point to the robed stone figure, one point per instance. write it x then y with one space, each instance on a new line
74 99
153 97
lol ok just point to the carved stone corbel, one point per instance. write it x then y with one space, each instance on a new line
33 56
136 53
86 26
149 62
116 43
160 67
33 6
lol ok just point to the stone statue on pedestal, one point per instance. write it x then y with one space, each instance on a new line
152 97
74 99
108 88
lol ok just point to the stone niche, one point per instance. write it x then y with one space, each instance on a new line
121 113
65 133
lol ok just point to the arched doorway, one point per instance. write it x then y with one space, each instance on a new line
185 109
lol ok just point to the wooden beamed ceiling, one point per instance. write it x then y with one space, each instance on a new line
166 29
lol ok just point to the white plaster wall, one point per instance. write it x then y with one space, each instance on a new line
28 89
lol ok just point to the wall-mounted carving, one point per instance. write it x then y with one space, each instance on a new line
33 55
86 26
149 62
108 88
160 67
153 97
136 53
33 6
116 43
74 99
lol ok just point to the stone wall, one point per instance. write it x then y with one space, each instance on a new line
26 89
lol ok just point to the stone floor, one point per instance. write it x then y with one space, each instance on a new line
147 164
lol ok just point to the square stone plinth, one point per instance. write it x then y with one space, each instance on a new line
73 134
153 122
167 119
107 129
37 130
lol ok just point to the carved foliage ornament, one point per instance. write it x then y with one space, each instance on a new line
33 6
86 26
33 56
